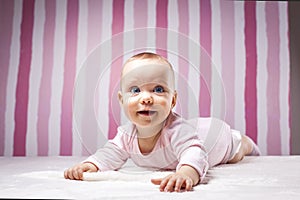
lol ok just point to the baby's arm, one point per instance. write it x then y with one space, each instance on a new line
76 172
186 177
110 157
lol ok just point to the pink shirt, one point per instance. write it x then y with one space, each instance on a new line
181 143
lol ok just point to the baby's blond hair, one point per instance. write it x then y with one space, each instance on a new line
148 55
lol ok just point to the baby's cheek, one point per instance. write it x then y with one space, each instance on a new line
166 103
130 109
131 105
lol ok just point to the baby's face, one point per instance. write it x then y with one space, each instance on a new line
147 92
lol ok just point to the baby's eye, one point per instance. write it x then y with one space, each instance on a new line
158 89
135 89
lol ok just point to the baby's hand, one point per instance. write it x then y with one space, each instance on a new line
174 182
76 172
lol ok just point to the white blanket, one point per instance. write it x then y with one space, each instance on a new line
276 177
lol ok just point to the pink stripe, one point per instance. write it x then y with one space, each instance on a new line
94 34
94 24
290 125
140 14
6 21
205 61
183 50
140 21
251 69
93 39
22 90
45 92
273 88
69 76
117 55
162 25
228 72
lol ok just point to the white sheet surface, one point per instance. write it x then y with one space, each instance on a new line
272 177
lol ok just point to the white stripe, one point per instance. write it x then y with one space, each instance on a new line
35 78
103 89
82 34
194 52
128 23
57 78
172 39
80 58
194 20
12 79
173 17
262 76
240 63
284 78
172 43
151 21
77 124
107 12
194 82
216 81
151 13
128 40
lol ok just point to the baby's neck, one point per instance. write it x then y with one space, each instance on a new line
147 137
148 132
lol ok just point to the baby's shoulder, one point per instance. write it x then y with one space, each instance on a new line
178 123
196 125
126 131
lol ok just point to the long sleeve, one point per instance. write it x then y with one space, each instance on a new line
112 156
188 147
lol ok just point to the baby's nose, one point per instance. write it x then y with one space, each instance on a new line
146 98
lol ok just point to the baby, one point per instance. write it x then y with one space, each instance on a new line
159 138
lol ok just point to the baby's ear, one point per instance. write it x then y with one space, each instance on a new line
120 97
174 99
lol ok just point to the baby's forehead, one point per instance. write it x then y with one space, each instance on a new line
144 64
146 71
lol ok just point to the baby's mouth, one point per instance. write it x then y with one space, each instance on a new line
146 112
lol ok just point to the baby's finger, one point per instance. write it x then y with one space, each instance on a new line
188 185
70 174
170 185
163 184
156 181
77 173
66 174
179 184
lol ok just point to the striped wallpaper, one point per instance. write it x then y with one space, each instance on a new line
60 64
